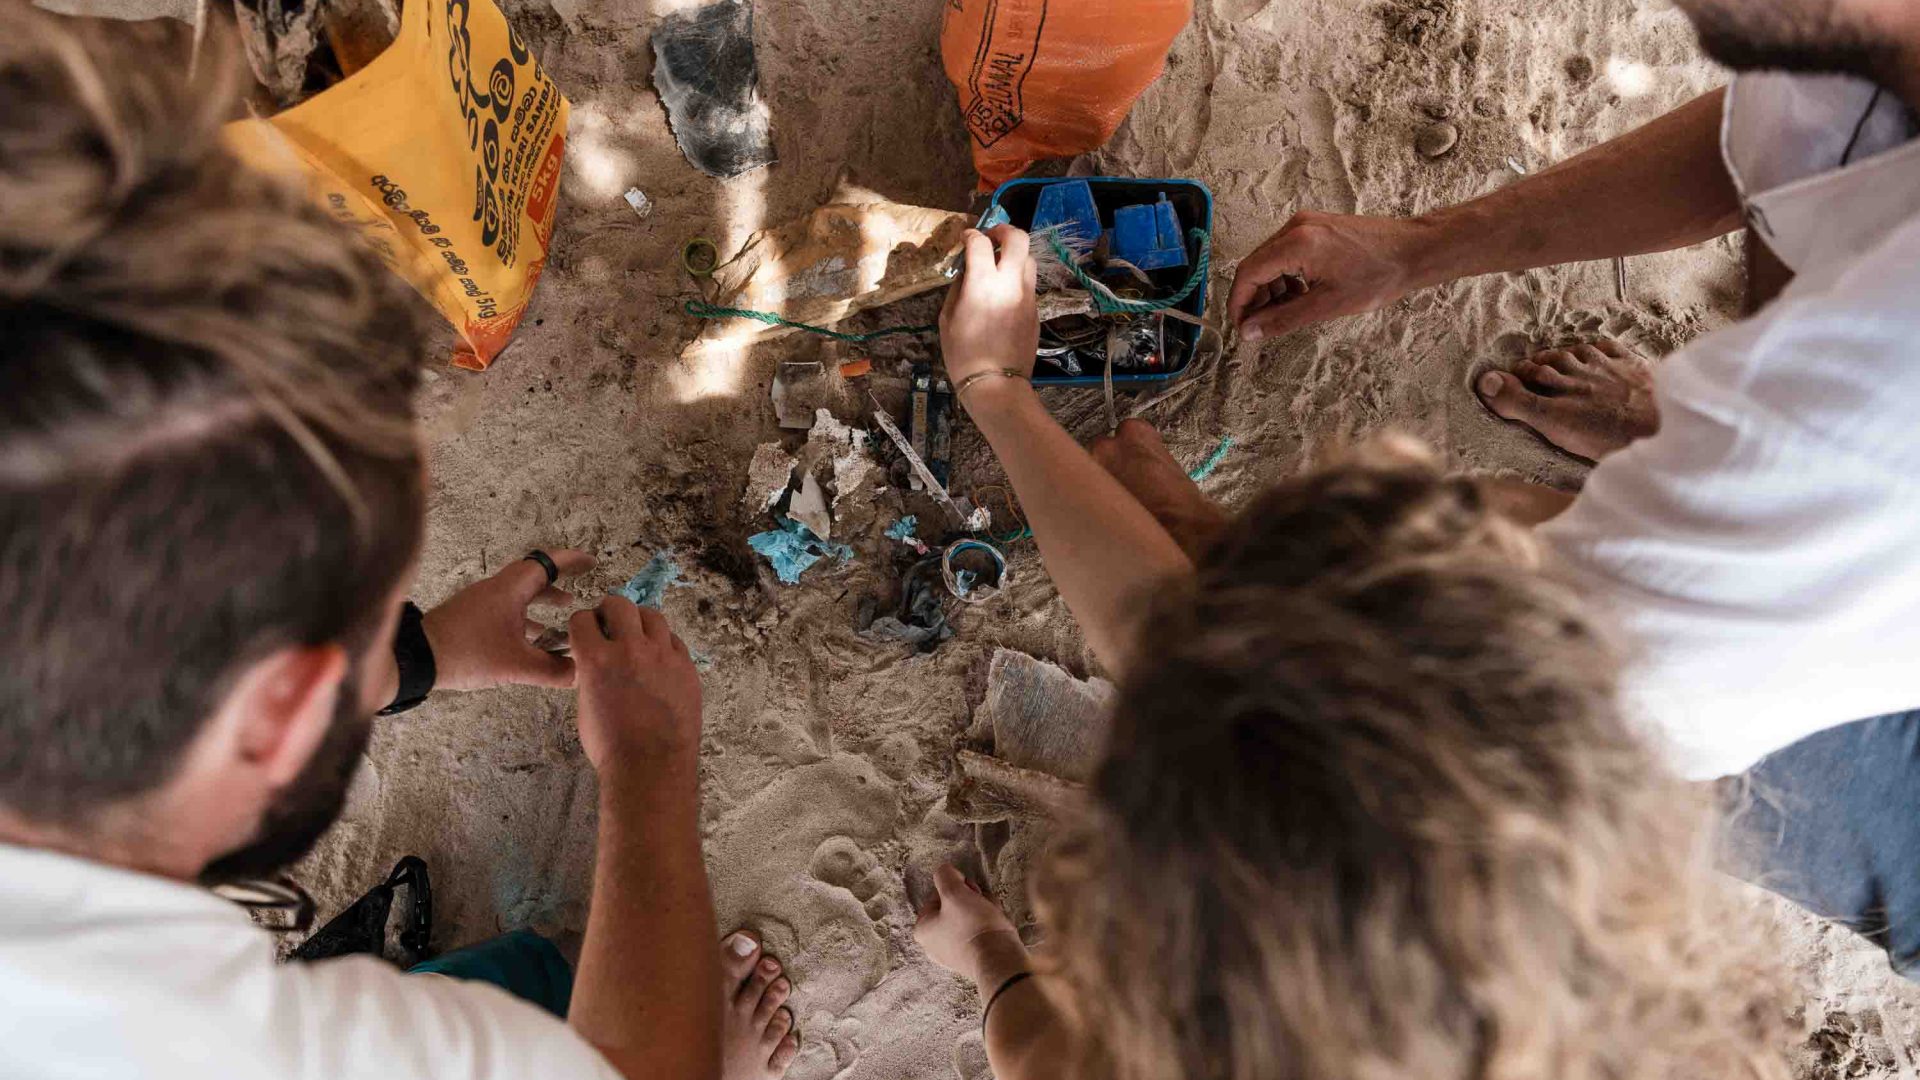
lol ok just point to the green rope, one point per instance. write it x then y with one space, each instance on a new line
702 310
1108 304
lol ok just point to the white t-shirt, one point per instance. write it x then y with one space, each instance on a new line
110 973
1763 550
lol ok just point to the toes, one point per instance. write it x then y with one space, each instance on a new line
783 1054
779 1025
737 954
1561 360
772 1000
764 972
1541 379
1612 348
1592 354
1508 397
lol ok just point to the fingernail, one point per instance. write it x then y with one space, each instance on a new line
1253 333
1490 384
741 944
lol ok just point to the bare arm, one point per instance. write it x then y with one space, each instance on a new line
967 933
1103 549
643 994
1659 187
1662 186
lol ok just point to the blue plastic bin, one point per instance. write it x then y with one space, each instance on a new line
1017 199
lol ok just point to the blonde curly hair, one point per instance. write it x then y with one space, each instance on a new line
1370 812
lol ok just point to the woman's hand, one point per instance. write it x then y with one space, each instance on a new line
966 933
991 321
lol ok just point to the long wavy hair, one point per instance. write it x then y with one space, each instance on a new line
1371 812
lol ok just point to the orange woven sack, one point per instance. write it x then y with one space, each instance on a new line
1051 78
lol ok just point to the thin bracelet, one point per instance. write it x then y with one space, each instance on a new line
1013 980
1005 372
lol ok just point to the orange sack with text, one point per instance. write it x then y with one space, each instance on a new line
1051 78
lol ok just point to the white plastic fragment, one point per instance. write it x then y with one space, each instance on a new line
637 199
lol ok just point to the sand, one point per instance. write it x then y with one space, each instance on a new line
827 757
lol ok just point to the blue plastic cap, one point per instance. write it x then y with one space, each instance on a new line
1148 235
1068 206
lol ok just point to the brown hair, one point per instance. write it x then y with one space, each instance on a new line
206 441
1370 812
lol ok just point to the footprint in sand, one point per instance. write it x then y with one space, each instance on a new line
841 862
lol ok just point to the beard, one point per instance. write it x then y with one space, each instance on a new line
1809 37
308 807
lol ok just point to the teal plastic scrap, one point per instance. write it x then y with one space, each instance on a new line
648 588
792 549
903 530
1205 469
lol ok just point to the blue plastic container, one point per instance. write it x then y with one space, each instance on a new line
1017 201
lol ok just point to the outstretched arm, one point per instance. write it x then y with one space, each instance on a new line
1103 549
1660 187
644 995
966 933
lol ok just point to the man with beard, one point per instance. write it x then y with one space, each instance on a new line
1754 517
211 503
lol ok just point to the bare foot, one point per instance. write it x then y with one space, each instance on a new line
757 1036
1588 400
1137 458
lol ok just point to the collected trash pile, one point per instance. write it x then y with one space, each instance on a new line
836 487
1122 293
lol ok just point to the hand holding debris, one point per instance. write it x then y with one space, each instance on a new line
481 636
991 321
639 691
967 933
1320 267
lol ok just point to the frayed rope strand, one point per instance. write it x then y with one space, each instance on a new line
1108 304
701 310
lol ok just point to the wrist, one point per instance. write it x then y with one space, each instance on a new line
632 776
415 671
995 396
998 956
1454 242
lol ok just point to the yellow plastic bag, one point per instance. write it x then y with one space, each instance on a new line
446 149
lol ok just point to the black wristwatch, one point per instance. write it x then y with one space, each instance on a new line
414 657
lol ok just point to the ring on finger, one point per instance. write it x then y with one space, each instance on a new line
546 563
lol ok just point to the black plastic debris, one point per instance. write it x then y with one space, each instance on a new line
920 619
362 928
704 70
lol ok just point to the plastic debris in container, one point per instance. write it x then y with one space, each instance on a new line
1068 206
1148 235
